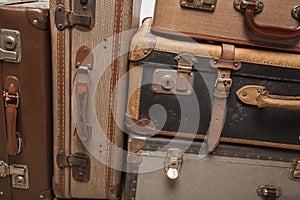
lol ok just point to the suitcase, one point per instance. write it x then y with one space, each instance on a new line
160 168
185 89
90 46
26 110
264 23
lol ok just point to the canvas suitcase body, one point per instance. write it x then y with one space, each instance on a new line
194 90
89 56
231 173
258 23
26 112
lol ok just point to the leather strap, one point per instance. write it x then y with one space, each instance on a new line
225 64
259 96
11 98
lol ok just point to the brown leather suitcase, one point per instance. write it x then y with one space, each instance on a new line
212 92
160 168
266 23
90 48
26 111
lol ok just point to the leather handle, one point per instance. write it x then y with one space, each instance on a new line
11 98
266 30
260 97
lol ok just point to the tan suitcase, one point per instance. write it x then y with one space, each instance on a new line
266 23
89 56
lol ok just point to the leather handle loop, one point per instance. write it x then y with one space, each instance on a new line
11 124
266 30
260 97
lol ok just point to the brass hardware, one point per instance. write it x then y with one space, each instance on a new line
296 12
241 5
269 191
295 170
83 15
79 163
19 174
173 163
178 81
10 46
209 5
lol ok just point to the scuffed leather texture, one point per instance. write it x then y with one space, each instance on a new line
170 18
34 120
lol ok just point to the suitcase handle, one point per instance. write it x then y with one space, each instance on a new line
252 7
260 97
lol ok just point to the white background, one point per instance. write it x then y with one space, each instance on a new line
147 9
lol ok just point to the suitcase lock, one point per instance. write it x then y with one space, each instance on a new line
173 163
209 5
18 173
10 46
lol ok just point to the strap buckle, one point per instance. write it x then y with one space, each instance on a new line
224 81
11 98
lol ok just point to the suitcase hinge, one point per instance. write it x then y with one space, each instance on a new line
82 16
18 173
295 170
173 163
176 82
10 46
199 4
79 163
269 192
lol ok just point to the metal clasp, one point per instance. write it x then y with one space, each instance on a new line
18 173
173 163
241 5
269 191
178 81
82 16
80 164
295 170
296 12
209 5
10 46
11 99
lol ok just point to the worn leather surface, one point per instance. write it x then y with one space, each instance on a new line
170 18
34 119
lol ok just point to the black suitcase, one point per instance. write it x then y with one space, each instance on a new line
218 92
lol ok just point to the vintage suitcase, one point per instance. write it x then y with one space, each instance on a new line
159 168
26 110
181 88
90 47
251 22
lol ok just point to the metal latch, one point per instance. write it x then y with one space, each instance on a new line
10 46
241 5
269 192
173 163
18 173
82 16
80 164
178 81
295 170
199 4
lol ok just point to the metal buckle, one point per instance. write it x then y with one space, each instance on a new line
266 190
224 81
11 99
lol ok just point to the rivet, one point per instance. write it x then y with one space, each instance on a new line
244 94
10 43
35 21
1 193
215 62
2 175
60 26
155 89
89 66
41 196
145 51
189 92
78 64
1 162
59 9
183 3
14 185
